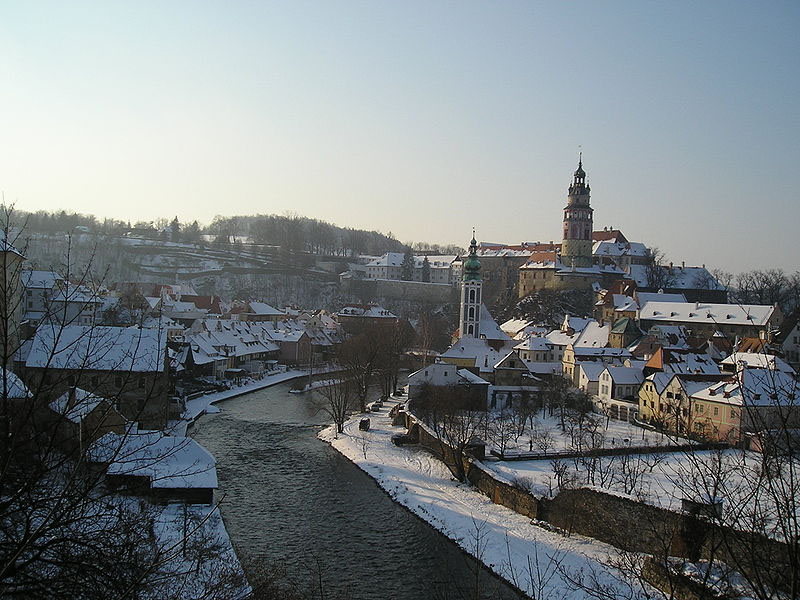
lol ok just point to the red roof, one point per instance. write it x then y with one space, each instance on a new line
609 235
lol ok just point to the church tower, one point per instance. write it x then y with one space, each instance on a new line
471 287
576 247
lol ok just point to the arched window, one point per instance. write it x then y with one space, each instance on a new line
470 330
471 312
472 295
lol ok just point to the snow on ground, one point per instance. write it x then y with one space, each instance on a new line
206 532
614 433
663 479
504 540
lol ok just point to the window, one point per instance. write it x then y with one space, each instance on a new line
445 373
716 411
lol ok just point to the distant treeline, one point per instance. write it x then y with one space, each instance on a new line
289 232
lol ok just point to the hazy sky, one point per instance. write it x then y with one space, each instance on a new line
420 118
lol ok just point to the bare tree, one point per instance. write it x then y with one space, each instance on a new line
659 275
339 402
456 419
65 529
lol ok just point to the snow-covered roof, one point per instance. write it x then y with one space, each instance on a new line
605 352
167 461
621 303
513 326
758 359
478 350
77 407
752 387
390 259
489 327
99 348
80 295
657 297
470 377
625 375
373 311
660 380
618 249
679 361
40 279
689 278
534 343
263 309
698 312
593 335
14 386
591 370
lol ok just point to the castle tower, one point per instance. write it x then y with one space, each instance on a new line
576 247
471 287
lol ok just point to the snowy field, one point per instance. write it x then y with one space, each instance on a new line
543 434
664 479
544 563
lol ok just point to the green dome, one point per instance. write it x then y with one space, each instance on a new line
471 268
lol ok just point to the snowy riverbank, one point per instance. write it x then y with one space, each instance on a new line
202 405
542 562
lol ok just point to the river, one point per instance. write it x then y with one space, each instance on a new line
291 499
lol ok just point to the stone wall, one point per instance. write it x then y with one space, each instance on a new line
415 291
625 522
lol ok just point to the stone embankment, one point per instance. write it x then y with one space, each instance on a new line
619 520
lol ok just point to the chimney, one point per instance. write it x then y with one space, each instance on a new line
683 264
670 265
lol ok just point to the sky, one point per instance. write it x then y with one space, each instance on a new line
420 118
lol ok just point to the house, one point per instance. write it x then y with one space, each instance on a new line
697 284
618 389
75 305
260 311
703 320
477 354
539 355
126 365
470 389
750 401
574 355
623 333
354 318
660 336
589 377
39 287
511 370
390 266
623 254
225 347
84 417
788 338
664 399
164 467
611 307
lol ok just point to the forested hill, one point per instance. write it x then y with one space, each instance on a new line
290 232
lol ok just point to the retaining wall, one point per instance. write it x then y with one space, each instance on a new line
625 522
